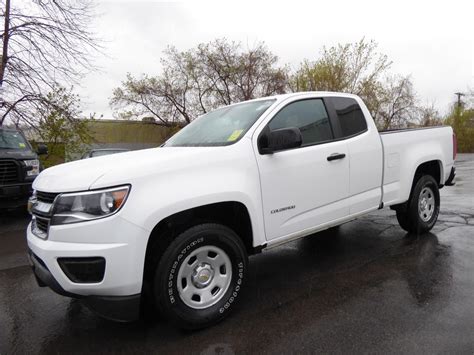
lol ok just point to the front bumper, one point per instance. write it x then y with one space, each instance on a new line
117 308
123 246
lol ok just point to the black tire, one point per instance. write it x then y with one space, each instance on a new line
410 219
165 281
402 218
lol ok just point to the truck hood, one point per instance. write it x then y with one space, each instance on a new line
18 154
120 168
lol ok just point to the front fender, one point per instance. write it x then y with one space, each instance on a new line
154 198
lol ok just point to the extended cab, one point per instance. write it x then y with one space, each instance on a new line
19 166
176 224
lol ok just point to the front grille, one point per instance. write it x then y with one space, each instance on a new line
9 172
42 212
47 197
42 224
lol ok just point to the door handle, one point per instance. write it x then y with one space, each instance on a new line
336 156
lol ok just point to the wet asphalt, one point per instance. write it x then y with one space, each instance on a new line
367 287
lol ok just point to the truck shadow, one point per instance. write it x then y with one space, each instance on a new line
18 216
344 259
293 289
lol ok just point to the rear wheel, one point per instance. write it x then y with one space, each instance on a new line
422 209
200 276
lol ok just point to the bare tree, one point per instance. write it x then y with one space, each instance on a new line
238 75
397 104
221 73
428 115
44 42
200 79
470 98
359 68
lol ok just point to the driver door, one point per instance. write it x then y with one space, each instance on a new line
301 188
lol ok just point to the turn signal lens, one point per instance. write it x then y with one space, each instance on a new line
119 197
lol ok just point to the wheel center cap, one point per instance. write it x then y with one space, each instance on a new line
423 204
202 275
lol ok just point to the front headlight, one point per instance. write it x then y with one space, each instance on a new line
90 205
32 167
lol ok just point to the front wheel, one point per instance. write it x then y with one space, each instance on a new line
200 276
423 207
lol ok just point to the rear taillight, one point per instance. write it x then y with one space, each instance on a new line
455 146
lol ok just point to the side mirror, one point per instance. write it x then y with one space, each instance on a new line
42 149
280 139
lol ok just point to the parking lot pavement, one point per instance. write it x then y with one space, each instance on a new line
366 288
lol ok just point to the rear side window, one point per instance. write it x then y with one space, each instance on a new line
350 116
309 116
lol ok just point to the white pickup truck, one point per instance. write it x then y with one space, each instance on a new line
175 224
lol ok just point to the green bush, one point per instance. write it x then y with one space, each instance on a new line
462 122
55 156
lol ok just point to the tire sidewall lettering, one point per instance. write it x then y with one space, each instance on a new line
174 266
235 292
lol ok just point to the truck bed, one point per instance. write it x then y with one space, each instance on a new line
403 151
397 130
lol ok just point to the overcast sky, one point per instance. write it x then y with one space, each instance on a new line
431 41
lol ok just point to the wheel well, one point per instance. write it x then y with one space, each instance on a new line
432 168
231 214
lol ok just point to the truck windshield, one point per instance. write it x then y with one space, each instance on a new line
12 140
223 126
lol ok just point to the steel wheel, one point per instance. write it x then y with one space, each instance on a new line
421 211
204 277
426 204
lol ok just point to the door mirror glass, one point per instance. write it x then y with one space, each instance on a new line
42 149
280 139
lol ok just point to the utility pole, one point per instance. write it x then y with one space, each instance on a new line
459 94
457 111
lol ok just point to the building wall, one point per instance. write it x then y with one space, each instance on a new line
132 135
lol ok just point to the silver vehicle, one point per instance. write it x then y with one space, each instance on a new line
101 152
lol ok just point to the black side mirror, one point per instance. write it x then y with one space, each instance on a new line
42 149
279 139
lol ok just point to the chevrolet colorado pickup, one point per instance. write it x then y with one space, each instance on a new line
19 166
175 225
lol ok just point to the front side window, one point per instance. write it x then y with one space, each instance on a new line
309 116
12 140
350 116
223 126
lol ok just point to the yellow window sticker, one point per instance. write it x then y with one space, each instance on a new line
234 135
22 145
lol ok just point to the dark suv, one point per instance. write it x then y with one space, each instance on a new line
19 166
